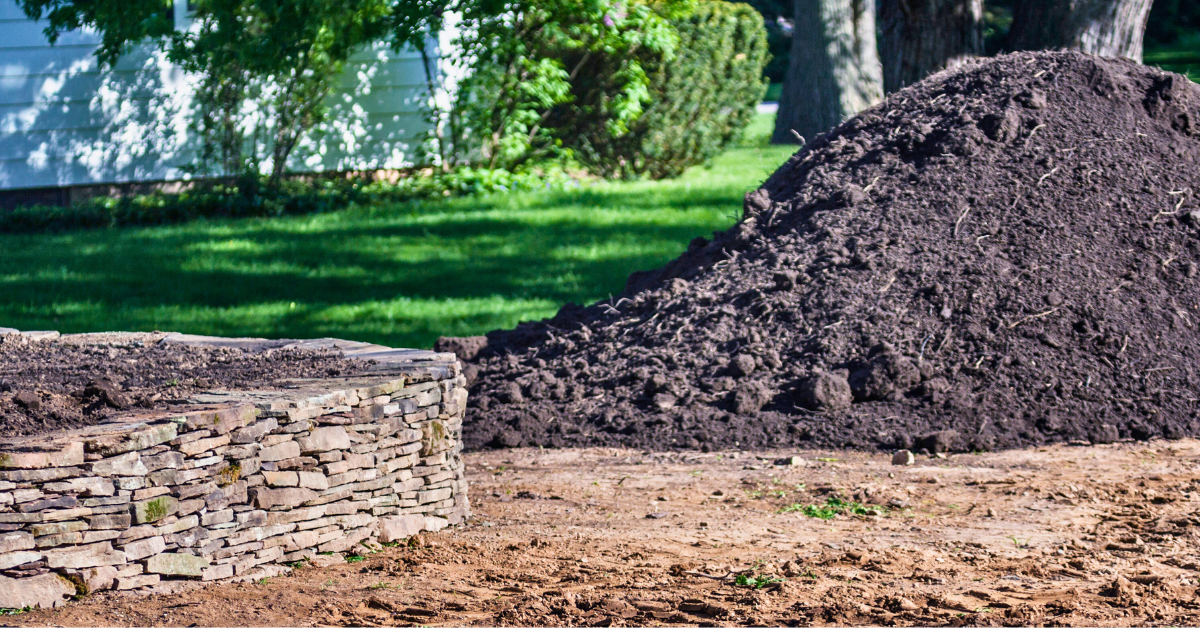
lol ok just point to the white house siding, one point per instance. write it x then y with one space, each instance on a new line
64 122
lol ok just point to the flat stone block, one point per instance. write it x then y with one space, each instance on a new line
54 540
203 445
13 541
216 572
177 565
98 578
265 498
44 591
313 479
281 478
13 559
84 556
86 487
118 521
40 475
134 441
325 439
150 546
436 495
400 527
137 582
124 464
282 451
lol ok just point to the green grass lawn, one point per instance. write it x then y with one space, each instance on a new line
1183 57
400 275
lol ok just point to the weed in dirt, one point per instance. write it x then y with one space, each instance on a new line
263 580
355 559
14 611
380 585
832 507
756 582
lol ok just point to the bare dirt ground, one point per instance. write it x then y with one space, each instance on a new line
1098 535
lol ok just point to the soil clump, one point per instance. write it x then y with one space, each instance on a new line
61 384
1003 255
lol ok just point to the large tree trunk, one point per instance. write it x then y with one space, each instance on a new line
920 37
833 71
1109 28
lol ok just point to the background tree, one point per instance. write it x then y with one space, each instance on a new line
777 19
1109 28
834 69
920 37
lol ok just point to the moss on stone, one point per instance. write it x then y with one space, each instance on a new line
229 474
156 509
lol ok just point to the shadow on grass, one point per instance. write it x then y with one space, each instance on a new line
139 279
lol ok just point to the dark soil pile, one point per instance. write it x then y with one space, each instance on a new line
52 385
1000 256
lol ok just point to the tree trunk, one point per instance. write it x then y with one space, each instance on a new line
833 71
920 37
1108 28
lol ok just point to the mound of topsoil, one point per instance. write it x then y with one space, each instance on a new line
64 384
1002 255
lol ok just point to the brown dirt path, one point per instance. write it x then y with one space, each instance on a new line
1100 535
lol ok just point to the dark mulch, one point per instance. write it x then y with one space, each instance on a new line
55 385
1009 251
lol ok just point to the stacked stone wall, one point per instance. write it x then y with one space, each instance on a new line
254 479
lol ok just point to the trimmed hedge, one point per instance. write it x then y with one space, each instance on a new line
702 99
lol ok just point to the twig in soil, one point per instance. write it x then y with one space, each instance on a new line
1124 345
1033 316
944 339
708 575
977 240
872 185
958 222
1032 133
1047 176
1182 194
891 280
921 355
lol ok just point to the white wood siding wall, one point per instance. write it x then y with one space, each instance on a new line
64 122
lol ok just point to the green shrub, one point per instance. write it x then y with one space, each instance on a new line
700 100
